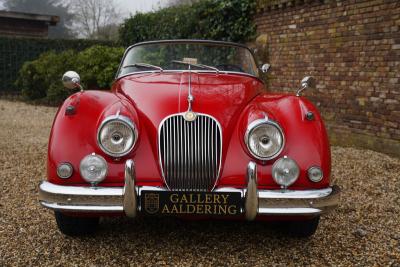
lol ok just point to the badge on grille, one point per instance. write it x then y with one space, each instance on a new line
151 203
190 116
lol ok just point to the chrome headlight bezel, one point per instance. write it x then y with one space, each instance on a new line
252 126
124 120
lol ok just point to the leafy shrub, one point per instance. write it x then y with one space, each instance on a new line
14 52
56 94
41 79
33 84
35 77
97 65
229 20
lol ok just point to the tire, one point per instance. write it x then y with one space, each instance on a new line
302 229
76 226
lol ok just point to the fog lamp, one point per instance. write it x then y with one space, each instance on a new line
285 171
93 168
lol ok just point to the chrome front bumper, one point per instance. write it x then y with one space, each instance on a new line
125 199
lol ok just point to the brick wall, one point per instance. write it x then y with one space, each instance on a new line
352 48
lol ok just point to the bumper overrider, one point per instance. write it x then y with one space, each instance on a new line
126 199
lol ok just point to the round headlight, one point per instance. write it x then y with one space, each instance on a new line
264 139
117 136
93 168
64 170
285 171
315 174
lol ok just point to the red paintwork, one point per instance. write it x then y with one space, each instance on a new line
234 100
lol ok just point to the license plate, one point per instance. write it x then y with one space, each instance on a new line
190 203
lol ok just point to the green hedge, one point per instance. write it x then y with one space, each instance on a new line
40 80
228 20
15 51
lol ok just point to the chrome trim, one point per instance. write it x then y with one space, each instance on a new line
298 202
193 71
300 90
174 156
242 191
289 211
297 194
190 41
265 67
127 121
256 123
251 198
306 82
226 43
125 199
107 199
257 202
80 198
82 208
190 97
129 191
72 80
82 191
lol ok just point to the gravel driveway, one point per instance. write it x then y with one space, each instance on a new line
364 230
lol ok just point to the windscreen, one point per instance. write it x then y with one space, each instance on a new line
182 56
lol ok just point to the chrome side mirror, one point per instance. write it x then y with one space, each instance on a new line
265 67
71 80
307 82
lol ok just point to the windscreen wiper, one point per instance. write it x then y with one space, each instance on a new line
196 65
144 65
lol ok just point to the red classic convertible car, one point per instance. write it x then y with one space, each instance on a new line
188 129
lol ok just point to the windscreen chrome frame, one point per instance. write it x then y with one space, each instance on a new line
180 41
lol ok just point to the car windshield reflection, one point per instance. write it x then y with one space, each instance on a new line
181 56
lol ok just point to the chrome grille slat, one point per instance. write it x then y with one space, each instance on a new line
193 137
212 148
180 148
175 159
203 171
190 152
209 142
171 151
215 138
165 156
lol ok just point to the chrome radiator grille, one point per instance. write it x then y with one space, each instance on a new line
190 152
